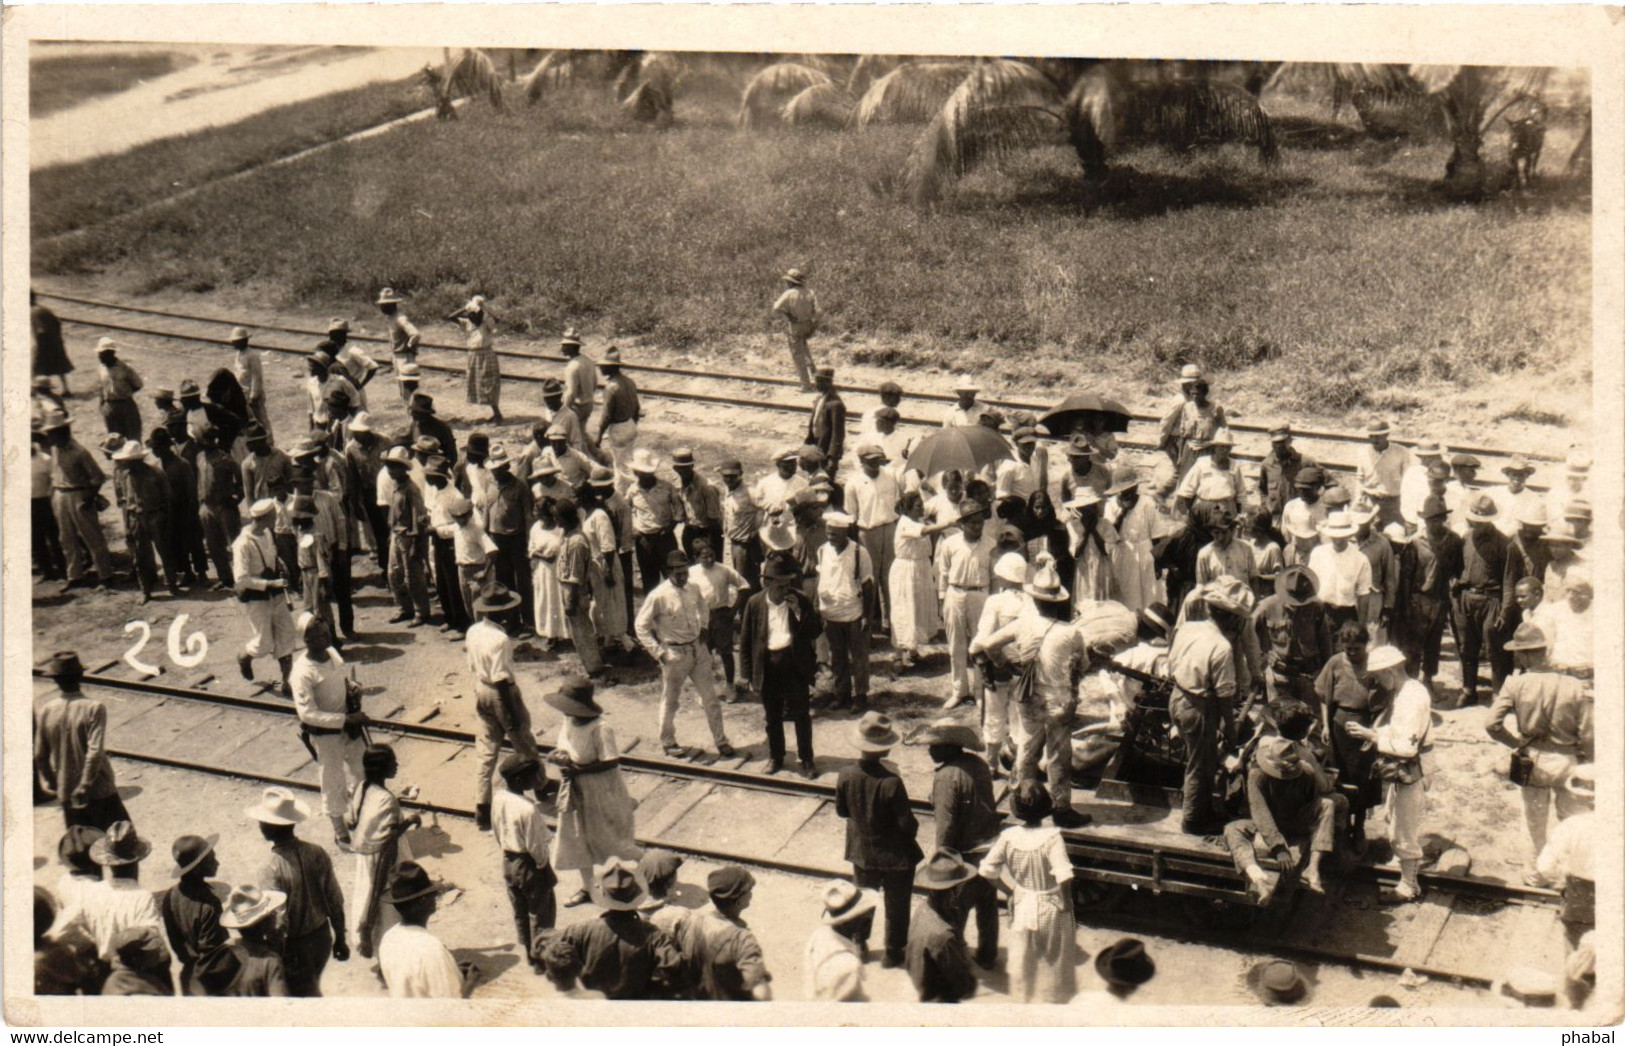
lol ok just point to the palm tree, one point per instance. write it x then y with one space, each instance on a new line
472 75
910 93
1003 106
765 96
821 105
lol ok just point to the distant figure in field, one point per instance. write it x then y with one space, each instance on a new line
799 307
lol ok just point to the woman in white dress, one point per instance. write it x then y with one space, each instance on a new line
915 620
595 810
1029 861
484 377
608 589
1134 567
377 837
1093 542
546 542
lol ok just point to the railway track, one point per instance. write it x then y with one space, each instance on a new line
730 814
1144 420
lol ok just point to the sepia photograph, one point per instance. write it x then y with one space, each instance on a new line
729 507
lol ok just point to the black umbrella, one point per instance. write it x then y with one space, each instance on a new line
963 447
1062 420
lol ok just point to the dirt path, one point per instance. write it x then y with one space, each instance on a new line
226 84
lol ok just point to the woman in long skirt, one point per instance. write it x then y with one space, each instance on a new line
484 379
1029 861
546 542
608 589
1093 541
377 832
595 809
915 620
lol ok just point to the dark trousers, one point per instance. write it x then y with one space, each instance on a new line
1198 720
626 582
408 555
304 960
98 813
896 887
849 659
48 558
287 553
652 550
784 696
719 634
191 557
1476 632
122 417
979 896
378 522
746 557
530 891
512 563
448 584
1422 634
220 524
145 534
342 586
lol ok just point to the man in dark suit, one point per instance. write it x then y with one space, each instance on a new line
779 659
826 429
880 829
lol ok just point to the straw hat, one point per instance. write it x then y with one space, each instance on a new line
1338 525
570 339
362 422
776 537
1189 373
618 886
278 806
612 357
944 871
387 296
1278 758
644 461
965 384
247 905
1124 477
795 276
844 902
949 732
574 697
1561 533
120 846
1481 509
241 333
1531 513
1011 567
1384 657
1046 582
874 733
130 451
1527 637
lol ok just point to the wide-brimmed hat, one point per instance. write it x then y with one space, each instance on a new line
1221 438
1011 568
601 477
1577 510
1299 528
1560 533
1377 428
795 276
55 419
776 537
262 508
112 442
1229 594
1531 513
618 886
1188 373
966 384
611 358
943 871
277 805
426 445
1582 781
1083 497
362 422
190 850
1428 448
1338 525
1395 532
305 448
644 461
1280 432
120 846
1465 461
1479 510
780 568
408 370
1125 963
63 663
844 902
1384 657
130 451
1297 585
1518 466
1363 511
1079 447
1578 463
411 881
1527 637
1124 477
496 598
338 323
387 296
1277 983
1278 757
106 345
574 697
1309 476
949 732
398 455
835 519
247 905
322 357
1046 582
873 732
458 506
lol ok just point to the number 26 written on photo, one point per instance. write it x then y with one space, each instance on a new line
187 654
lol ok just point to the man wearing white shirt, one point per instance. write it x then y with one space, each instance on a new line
871 500
580 377
1212 477
1026 473
1576 471
1515 498
1402 734
501 710
412 961
779 660
1342 572
1414 488
967 411
964 569
321 699
897 447
118 902
1382 472
846 583
672 625
1003 720
773 491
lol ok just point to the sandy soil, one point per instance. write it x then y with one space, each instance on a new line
228 83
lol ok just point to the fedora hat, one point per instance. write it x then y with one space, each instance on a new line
965 384
618 886
1577 509
949 732
337 324
131 451
1337 496
844 902
421 403
73 849
425 445
1582 781
495 598
305 448
408 370
1079 447
498 459
362 422
1124 477
780 568
1278 758
644 461
1561 533
1125 964
1011 568
247 905
1188 373
1395 532
1531 513
1338 525
776 537
1277 983
1384 657
241 333
1518 466
1428 448
1527 637
1479 510
278 806
795 276
943 871
1280 432
1377 428
190 850
64 663
1296 585
571 338
1228 594
873 732
574 697
411 881
387 296
1046 582
398 455
120 846
612 357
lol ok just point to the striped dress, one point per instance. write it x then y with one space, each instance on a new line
484 372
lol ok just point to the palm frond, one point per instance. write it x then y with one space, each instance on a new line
769 89
474 75
662 69
649 103
868 69
999 108
821 105
556 69
1103 111
911 93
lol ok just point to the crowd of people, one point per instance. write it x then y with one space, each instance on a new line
1294 620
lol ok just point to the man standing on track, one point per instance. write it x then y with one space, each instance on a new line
70 750
580 376
671 625
119 384
618 420
964 569
656 510
1202 664
313 920
799 307
826 427
404 339
1382 473
408 541
329 719
502 712
76 482
880 829
262 591
779 659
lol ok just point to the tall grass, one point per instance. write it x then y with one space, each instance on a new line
70 196
1340 264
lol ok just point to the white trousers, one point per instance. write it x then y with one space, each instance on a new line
340 760
620 437
691 662
961 610
270 627
1407 806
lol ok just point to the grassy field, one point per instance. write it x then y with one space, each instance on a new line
64 81
1342 261
71 196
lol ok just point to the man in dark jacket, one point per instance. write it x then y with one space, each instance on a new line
426 423
185 533
938 961
779 659
826 428
880 828
1288 794
967 823
1293 636
1430 564
191 909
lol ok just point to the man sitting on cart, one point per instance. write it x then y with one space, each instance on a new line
1291 801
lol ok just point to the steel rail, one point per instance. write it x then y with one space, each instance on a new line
1172 928
1324 435
668 394
1091 847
